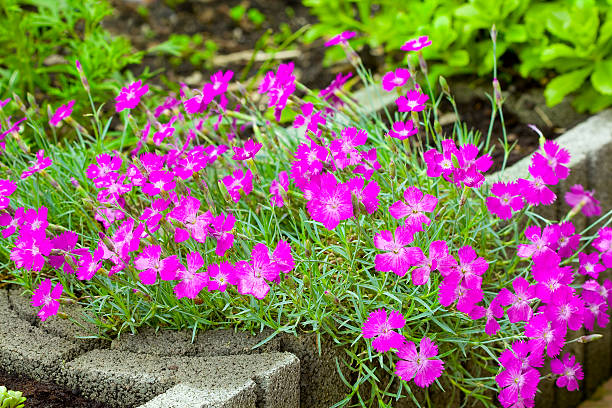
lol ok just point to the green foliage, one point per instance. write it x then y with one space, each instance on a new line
11 399
572 38
255 16
194 48
41 39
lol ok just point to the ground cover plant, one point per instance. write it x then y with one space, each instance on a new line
297 211
565 44
11 399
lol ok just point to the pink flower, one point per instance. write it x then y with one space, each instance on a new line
30 250
12 223
61 113
41 163
452 289
63 243
344 149
88 265
252 275
218 85
414 101
164 130
589 264
565 309
415 205
130 96
439 259
403 130
105 164
47 297
422 366
394 79
543 241
222 227
546 334
112 187
368 165
549 275
471 268
191 282
416 44
578 198
186 212
168 104
397 258
508 199
7 187
441 164
249 150
282 257
107 216
159 181
536 191
332 202
153 214
150 265
329 93
279 86
194 161
380 328
368 195
519 380
568 241
569 372
310 119
275 189
219 276
340 38
494 311
603 243
554 157
239 181
519 301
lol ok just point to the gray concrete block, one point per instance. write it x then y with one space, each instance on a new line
126 379
187 396
209 343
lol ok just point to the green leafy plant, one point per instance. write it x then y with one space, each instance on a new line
194 48
11 399
568 38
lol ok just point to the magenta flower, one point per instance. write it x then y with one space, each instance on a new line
369 164
550 277
414 101
380 328
153 215
565 309
88 265
219 276
61 113
30 250
340 38
603 243
543 241
368 195
41 163
164 130
282 257
279 86
452 289
416 44
441 164
105 164
519 382
252 275
191 282
395 79
508 200
47 297
422 366
546 334
344 149
470 269
130 96
332 203
595 309
150 265
551 155
536 191
329 93
519 301
7 187
277 199
569 372
494 311
12 223
63 243
159 181
568 240
439 259
403 130
249 150
107 216
415 205
579 199
194 161
397 258
239 181
222 227
310 119
168 104
218 83
589 264
112 187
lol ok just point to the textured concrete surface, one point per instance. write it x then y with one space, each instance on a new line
187 396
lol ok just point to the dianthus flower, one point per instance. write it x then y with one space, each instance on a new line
331 203
343 37
222 227
566 309
519 301
397 258
309 162
414 101
275 189
249 150
549 275
61 113
595 309
168 104
47 297
218 83
150 265
366 195
554 157
369 164
237 182
439 259
30 250
344 149
112 187
191 282
441 164
519 380
7 187
310 119
543 240
403 130
508 199
252 275
452 290
186 212
41 163
63 243
164 130
603 243
88 265
219 276
194 161
107 216
159 181
413 208
470 269
282 257
589 264
416 44
579 199
329 93
395 79
546 334
279 86
380 328
569 372
568 240
494 311
422 366
105 164
536 191
12 223
130 96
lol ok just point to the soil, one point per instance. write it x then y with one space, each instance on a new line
44 395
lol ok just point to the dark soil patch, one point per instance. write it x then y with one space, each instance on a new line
44 395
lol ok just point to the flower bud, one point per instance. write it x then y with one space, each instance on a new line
589 338
497 93
444 85
494 33
392 170
437 127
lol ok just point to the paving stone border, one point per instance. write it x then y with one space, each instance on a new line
224 369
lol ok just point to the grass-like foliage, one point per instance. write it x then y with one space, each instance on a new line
372 229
